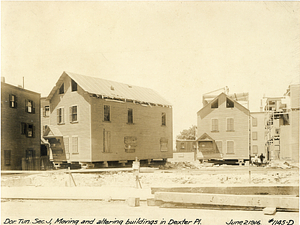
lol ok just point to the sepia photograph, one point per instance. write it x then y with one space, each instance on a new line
150 112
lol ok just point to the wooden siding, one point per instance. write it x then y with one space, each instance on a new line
186 146
11 119
80 129
146 131
260 130
240 135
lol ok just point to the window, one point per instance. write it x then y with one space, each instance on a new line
60 116
215 125
73 114
74 145
230 147
44 128
62 89
163 119
29 106
66 143
254 149
106 113
254 122
254 135
12 101
130 116
46 111
219 146
229 103
74 85
230 124
215 104
30 130
106 141
163 144
7 157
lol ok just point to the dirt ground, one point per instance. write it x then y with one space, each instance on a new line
172 174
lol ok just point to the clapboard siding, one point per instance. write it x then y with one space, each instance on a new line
240 135
146 128
82 129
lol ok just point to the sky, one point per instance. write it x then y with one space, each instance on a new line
182 50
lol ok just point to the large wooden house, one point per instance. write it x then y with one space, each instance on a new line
20 128
223 129
97 121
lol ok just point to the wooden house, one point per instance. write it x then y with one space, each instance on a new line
97 121
223 129
20 128
186 150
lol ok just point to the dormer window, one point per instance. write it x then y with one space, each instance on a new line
62 89
74 85
215 104
229 103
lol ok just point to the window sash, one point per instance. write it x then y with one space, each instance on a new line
254 135
73 113
130 116
230 124
106 113
254 122
74 144
215 125
163 119
60 115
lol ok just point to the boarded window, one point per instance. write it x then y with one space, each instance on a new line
254 122
130 144
229 103
12 101
7 157
74 85
163 119
230 124
219 146
60 116
106 113
46 111
106 141
230 147
163 144
255 149
215 104
130 116
254 135
215 125
74 144
73 114
66 143
62 89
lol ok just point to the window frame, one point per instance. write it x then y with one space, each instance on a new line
164 119
214 125
60 115
27 101
45 114
254 124
71 114
254 137
28 129
228 141
74 86
129 116
229 103
12 101
230 126
75 151
106 117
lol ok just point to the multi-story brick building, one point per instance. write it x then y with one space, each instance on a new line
97 121
20 128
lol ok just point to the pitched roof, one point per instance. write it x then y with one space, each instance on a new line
112 89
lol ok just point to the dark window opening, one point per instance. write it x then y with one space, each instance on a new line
106 113
229 103
73 114
74 86
130 116
62 89
215 104
30 130
12 101
163 119
7 157
60 115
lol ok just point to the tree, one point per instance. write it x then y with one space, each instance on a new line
188 134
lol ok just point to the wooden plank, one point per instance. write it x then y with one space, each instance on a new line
237 190
285 202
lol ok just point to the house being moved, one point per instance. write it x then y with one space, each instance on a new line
98 122
223 129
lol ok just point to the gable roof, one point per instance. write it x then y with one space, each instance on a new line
205 137
240 106
112 89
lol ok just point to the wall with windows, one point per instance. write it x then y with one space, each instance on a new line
125 130
20 126
70 113
258 133
227 122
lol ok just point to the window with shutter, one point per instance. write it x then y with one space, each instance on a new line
29 106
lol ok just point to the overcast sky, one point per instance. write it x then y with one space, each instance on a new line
180 49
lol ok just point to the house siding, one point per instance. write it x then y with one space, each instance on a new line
260 130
